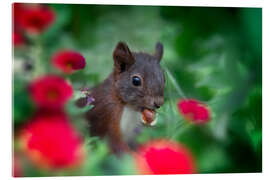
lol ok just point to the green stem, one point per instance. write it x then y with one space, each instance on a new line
184 126
173 128
36 52
176 86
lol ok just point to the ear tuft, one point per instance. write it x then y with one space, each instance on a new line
122 57
159 51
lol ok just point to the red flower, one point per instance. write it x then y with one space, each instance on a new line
51 142
17 39
194 110
36 18
68 61
50 91
164 157
18 9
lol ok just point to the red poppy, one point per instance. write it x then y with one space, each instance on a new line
194 110
17 39
50 91
36 19
18 9
51 142
68 61
164 157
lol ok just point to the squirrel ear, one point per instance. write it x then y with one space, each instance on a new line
122 57
159 51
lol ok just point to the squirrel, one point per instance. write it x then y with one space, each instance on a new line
127 98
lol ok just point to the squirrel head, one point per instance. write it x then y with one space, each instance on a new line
139 79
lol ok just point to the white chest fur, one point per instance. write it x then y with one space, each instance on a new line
130 120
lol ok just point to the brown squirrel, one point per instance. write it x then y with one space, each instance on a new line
127 98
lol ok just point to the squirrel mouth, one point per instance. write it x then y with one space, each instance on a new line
148 117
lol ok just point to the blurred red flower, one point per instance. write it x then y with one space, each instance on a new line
17 39
18 9
50 91
50 142
194 110
164 157
68 61
34 19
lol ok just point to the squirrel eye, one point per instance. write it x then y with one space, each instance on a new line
136 81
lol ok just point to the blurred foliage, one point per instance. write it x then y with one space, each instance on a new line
211 54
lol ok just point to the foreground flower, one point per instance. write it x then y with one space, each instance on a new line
194 110
50 91
68 61
35 19
164 157
51 142
17 39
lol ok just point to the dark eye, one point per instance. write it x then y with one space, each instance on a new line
136 81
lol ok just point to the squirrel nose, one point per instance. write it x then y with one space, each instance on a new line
158 102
